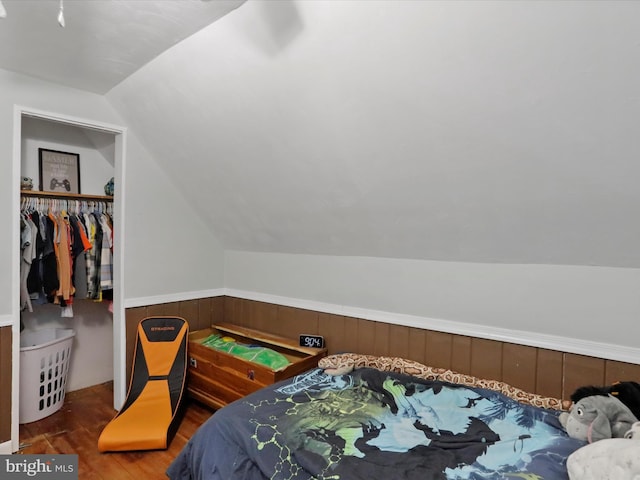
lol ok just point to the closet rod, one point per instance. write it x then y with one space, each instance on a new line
72 196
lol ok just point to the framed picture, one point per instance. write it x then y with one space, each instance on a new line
59 171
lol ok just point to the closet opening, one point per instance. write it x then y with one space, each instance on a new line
93 154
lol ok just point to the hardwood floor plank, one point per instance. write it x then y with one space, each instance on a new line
36 444
75 429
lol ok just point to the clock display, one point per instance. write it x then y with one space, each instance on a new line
313 341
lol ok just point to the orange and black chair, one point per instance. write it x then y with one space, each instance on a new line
150 415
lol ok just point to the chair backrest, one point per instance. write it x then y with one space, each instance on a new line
160 352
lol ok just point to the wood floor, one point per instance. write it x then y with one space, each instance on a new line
75 428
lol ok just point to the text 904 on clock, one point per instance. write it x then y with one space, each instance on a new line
313 341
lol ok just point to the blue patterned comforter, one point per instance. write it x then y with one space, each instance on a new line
375 425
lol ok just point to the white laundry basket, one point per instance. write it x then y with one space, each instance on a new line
44 364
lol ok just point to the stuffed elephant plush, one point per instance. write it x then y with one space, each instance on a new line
598 417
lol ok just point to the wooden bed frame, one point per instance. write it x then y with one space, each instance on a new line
537 370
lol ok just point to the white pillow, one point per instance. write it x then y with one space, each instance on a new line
608 459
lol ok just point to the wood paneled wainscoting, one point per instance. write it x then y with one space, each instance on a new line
5 383
546 372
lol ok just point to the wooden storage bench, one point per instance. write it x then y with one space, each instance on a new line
217 378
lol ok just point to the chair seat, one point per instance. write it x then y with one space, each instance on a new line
149 418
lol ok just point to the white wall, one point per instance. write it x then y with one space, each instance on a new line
92 349
167 245
277 142
465 131
580 308
169 248
96 150
471 164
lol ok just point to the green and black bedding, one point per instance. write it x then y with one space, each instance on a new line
376 425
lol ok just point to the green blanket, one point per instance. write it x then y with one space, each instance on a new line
253 353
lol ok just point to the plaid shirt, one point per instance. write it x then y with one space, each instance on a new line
92 256
106 259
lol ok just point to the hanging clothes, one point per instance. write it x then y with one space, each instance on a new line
64 241
79 245
50 282
34 280
106 257
93 256
54 235
28 233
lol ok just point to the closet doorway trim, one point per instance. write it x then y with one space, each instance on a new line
119 333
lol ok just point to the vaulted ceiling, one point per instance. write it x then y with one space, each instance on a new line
94 45
482 131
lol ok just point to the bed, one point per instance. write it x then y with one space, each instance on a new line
380 418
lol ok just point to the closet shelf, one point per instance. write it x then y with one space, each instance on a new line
72 196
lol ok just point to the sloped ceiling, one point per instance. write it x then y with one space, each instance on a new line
478 131
468 131
102 42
